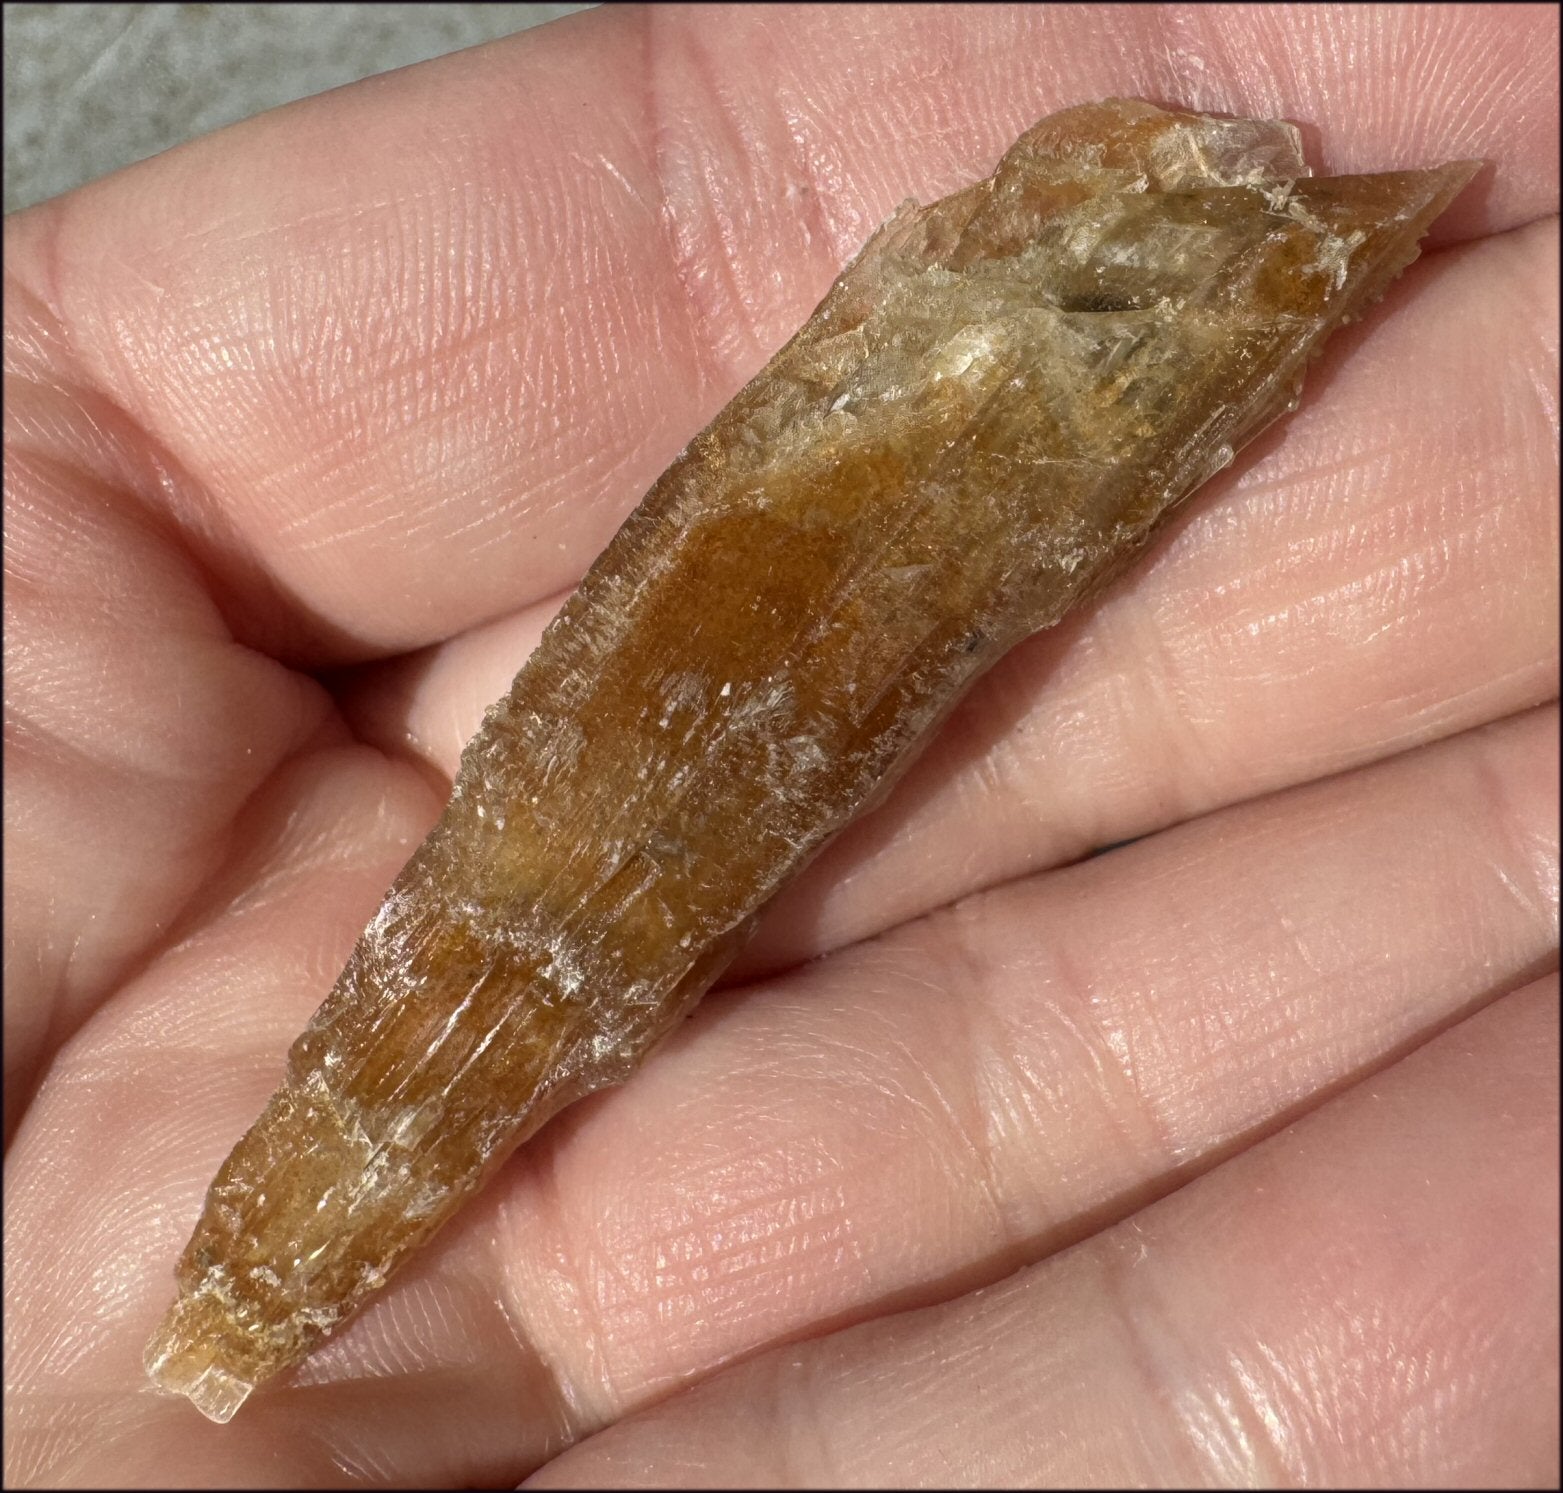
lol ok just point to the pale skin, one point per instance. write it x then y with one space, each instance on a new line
1248 1129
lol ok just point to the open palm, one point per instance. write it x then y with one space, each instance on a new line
1227 1156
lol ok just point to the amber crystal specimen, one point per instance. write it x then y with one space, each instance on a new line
992 409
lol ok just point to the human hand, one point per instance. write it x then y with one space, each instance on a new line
310 424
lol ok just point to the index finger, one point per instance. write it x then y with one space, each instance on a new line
420 344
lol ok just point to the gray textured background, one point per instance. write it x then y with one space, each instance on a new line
91 88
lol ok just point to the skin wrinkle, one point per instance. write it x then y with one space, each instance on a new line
1497 789
1025 1107
695 247
578 1412
1005 1099
1122 1098
1167 697
969 974
998 711
806 1456
1119 1278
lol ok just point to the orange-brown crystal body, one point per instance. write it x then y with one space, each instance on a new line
989 413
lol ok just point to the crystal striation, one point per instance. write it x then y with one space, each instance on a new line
991 411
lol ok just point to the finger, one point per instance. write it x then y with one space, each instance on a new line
420 344
1382 576
1369 1298
917 1116
926 1112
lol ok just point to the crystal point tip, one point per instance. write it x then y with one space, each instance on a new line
177 1367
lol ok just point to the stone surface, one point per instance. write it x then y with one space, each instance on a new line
90 88
991 411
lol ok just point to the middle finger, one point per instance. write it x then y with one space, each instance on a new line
911 1118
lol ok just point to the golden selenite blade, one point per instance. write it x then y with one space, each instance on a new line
991 411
